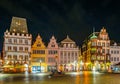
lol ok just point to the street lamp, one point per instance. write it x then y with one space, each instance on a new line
40 65
56 61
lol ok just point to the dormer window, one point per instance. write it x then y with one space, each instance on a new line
52 45
38 45
69 45
64 45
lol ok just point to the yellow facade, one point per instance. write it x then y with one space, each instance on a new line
38 56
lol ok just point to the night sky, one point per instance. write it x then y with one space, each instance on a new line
75 18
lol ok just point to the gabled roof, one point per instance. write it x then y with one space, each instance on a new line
67 40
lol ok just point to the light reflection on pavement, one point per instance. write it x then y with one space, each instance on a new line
85 77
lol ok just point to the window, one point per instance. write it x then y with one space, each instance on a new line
52 45
93 57
76 54
38 45
69 57
9 57
26 57
15 41
71 45
98 57
14 48
20 41
107 44
114 58
64 45
9 48
72 53
111 52
114 52
61 53
26 41
111 59
64 53
93 43
103 44
117 58
99 51
103 50
117 52
20 48
20 57
15 57
107 51
68 45
26 49
10 40
99 44
102 57
61 57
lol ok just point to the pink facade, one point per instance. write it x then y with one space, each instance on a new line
52 54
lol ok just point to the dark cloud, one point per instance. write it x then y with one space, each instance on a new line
75 18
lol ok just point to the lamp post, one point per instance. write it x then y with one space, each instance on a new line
56 61
14 64
40 65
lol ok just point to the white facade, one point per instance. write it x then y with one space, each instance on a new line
114 54
68 55
17 45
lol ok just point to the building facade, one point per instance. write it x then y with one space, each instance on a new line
114 54
52 54
95 51
38 56
68 55
17 46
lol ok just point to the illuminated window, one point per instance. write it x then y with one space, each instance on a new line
102 57
26 57
15 57
64 45
9 57
21 57
93 43
98 57
9 48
